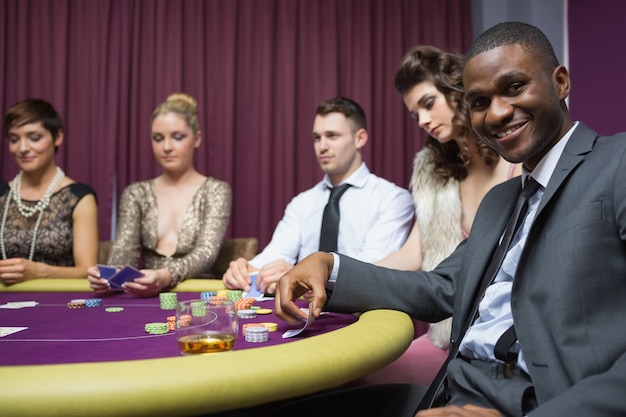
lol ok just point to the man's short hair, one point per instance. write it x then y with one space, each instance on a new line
349 108
529 37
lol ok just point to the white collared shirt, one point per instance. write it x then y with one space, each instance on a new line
376 217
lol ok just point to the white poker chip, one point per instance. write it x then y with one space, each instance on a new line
257 334
246 314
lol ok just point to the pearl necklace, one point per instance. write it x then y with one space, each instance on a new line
41 205
27 211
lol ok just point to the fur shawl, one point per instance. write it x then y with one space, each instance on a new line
438 212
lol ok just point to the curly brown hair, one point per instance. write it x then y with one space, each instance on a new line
445 70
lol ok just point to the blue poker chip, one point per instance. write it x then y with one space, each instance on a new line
206 295
93 302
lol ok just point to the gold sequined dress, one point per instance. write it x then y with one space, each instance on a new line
199 239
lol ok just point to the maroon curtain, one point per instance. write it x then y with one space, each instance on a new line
597 63
258 69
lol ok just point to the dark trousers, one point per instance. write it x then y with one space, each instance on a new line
484 384
388 400
478 383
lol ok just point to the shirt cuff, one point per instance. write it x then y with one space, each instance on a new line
332 279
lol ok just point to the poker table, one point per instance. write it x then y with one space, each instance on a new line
192 385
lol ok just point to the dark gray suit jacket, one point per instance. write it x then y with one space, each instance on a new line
569 294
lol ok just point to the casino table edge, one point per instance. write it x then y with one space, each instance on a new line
82 285
193 385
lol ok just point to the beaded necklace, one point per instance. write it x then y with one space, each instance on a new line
27 211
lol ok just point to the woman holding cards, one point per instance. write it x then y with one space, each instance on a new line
49 224
174 223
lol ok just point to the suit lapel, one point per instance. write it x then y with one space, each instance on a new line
579 145
575 152
497 215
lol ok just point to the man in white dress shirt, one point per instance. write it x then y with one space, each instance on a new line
375 214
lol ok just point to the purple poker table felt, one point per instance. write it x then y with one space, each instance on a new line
57 334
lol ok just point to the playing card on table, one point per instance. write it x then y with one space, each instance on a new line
5 331
19 304
309 320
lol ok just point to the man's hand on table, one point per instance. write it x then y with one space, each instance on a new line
311 274
270 274
237 276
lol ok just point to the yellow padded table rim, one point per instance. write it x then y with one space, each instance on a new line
191 385
80 285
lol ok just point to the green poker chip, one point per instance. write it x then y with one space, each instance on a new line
168 300
198 308
156 328
114 309
234 295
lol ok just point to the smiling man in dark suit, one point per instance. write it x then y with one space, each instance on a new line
545 337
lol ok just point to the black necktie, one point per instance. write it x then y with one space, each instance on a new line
514 223
330 219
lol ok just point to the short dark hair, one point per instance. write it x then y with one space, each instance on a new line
529 37
33 110
345 106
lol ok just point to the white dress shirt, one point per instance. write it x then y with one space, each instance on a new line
375 219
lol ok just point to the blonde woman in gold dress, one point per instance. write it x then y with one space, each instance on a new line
174 224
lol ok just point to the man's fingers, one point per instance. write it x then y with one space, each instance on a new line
288 311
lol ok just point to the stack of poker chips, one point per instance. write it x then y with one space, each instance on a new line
271 327
244 303
198 308
232 295
156 328
168 300
256 334
171 322
80 303
246 314
206 295
93 302
184 320
76 304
